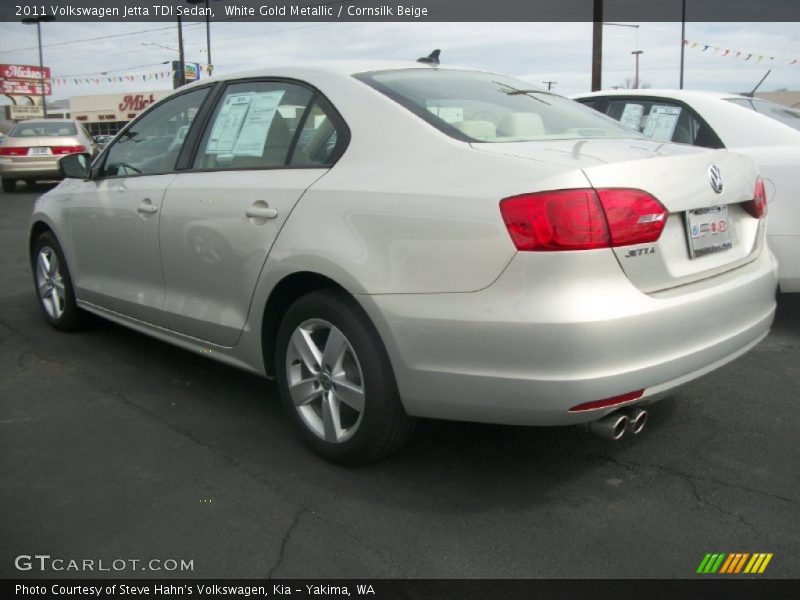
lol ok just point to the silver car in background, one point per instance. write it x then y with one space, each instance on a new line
31 150
390 241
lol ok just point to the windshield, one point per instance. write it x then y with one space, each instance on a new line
43 129
484 107
784 114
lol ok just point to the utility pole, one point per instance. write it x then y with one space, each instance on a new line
182 64
683 38
38 22
549 84
636 53
597 45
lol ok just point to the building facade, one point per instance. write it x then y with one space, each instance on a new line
106 114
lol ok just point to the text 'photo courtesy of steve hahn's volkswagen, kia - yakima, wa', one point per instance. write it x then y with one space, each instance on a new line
390 241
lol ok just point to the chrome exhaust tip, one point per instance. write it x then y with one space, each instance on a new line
612 426
637 419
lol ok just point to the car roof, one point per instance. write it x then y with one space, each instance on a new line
671 93
343 68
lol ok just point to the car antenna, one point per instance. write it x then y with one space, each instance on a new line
758 85
431 59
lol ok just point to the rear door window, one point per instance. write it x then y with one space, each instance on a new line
662 121
253 126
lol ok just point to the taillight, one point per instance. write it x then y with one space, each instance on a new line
67 149
758 205
582 219
13 151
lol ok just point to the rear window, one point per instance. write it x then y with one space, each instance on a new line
484 107
37 129
784 114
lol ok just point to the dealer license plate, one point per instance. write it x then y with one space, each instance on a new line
708 230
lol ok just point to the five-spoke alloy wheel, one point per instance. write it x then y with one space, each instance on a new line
53 284
336 381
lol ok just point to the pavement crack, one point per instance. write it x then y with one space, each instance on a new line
285 541
692 481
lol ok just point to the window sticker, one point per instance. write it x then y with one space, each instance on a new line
253 134
632 116
661 122
229 122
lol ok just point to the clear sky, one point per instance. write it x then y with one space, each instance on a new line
536 52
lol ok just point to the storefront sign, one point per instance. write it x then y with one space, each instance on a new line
27 72
20 113
23 88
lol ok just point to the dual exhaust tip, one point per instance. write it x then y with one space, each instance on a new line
614 426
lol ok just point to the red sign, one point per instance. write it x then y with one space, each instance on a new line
23 88
28 72
135 102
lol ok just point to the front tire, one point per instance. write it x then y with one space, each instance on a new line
9 185
54 285
336 381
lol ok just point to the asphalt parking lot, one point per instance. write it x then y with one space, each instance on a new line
114 445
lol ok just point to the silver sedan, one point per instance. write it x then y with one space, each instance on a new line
391 241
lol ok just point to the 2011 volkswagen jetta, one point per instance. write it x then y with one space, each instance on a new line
391 241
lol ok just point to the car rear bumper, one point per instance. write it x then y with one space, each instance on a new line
560 329
29 169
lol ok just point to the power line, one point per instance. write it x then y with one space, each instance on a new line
94 39
112 70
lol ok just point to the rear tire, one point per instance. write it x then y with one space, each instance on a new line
336 382
9 185
54 285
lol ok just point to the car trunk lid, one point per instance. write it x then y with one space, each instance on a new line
707 232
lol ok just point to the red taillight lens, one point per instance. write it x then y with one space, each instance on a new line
758 205
606 402
634 216
67 149
13 151
582 219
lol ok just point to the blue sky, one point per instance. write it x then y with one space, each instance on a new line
536 52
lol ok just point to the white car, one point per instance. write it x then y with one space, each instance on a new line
391 241
768 132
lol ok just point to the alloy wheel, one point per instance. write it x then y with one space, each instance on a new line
50 283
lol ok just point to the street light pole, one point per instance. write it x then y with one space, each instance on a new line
208 31
636 53
38 21
597 45
683 38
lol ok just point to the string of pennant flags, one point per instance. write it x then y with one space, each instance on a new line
738 54
99 78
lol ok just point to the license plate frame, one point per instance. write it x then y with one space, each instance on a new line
708 230
39 151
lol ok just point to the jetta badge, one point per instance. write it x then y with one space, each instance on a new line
715 177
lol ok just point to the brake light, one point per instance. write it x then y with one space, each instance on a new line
606 402
582 219
13 151
67 149
758 205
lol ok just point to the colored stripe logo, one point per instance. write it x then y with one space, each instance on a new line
734 563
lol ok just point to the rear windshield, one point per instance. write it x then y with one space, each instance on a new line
38 129
784 114
484 107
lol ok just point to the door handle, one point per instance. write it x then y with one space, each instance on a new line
261 210
147 207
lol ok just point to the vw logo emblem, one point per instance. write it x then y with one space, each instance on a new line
715 177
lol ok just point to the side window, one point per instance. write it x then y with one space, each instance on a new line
153 143
318 139
253 126
663 121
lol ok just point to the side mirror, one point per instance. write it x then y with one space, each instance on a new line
75 166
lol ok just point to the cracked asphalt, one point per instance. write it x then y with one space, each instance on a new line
114 445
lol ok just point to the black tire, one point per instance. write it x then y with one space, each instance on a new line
72 318
384 424
9 185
